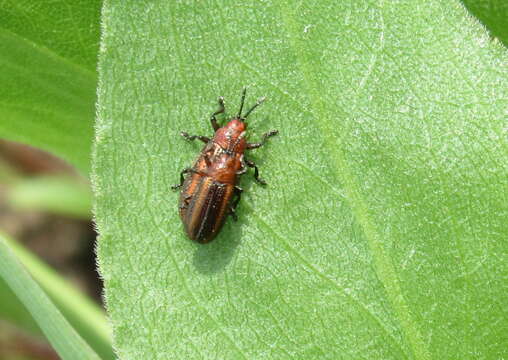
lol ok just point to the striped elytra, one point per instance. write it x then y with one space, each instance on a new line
210 190
206 203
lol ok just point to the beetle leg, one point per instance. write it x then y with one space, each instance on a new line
213 119
263 140
238 192
232 208
256 172
243 168
182 179
194 137
186 201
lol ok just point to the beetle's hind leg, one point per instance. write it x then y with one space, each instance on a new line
232 208
213 118
194 137
265 136
182 179
251 164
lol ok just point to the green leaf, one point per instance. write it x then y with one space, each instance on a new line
382 231
54 194
60 334
84 315
48 53
493 14
13 311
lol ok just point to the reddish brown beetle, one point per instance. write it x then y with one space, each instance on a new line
210 191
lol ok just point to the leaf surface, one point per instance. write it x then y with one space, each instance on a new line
382 230
48 52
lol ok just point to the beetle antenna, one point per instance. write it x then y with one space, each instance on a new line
241 103
259 102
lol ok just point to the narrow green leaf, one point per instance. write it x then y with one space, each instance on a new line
382 231
48 53
84 315
13 311
60 334
55 194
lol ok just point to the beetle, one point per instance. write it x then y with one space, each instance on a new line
210 190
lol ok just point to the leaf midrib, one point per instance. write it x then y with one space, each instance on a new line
383 265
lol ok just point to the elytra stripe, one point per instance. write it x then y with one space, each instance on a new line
193 220
207 210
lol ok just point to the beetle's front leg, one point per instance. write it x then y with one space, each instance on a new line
265 136
213 119
194 137
232 209
243 167
256 172
182 179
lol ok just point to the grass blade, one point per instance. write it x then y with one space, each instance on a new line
61 335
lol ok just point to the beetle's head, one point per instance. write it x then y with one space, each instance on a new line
236 125
232 135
